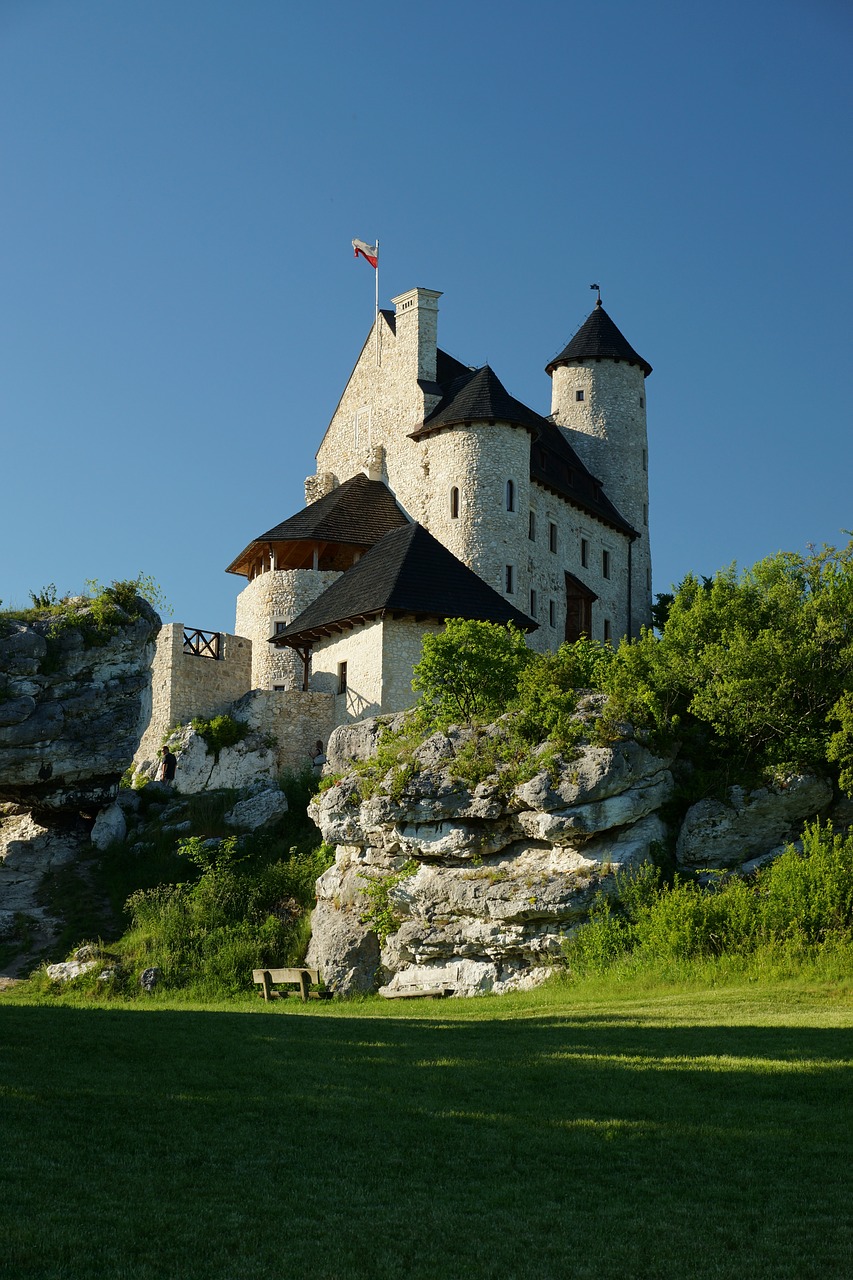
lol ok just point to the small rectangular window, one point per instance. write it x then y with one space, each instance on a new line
584 553
280 625
342 677
552 536
552 613
645 513
533 603
531 527
579 394
279 688
607 633
605 564
454 503
509 579
645 460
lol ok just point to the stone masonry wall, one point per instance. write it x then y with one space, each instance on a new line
277 595
402 641
292 719
184 686
361 650
478 460
607 429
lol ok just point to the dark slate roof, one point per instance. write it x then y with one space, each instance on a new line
477 395
411 572
358 513
555 465
598 339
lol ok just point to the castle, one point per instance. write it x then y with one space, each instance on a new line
437 495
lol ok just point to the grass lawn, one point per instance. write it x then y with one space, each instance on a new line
570 1132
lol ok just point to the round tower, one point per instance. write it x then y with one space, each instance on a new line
598 400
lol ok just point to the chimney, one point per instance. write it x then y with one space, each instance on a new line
417 329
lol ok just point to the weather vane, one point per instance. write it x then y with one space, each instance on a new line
598 287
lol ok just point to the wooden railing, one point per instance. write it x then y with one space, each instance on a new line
202 644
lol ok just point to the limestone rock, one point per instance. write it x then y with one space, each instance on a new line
345 951
235 768
352 742
68 970
110 827
149 978
258 810
485 887
71 712
726 834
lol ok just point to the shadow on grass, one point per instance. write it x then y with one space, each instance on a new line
198 1145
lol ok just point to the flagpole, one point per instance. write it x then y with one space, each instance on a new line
376 310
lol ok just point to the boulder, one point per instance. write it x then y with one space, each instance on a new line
258 810
110 827
749 824
234 768
352 742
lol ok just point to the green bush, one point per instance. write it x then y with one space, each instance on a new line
220 731
802 901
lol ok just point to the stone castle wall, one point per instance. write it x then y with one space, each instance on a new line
184 686
273 596
293 720
479 459
361 650
607 429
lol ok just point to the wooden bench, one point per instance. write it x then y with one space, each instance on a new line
301 978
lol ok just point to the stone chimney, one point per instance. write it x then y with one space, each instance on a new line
417 329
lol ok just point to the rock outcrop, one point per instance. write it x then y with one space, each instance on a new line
480 886
72 709
718 833
74 698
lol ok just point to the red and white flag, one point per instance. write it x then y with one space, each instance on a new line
369 251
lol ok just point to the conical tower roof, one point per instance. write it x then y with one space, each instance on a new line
598 339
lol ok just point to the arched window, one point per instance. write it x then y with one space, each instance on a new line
510 495
454 503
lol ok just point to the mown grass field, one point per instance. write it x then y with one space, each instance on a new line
570 1132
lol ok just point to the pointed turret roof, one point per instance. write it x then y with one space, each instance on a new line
598 339
408 572
477 395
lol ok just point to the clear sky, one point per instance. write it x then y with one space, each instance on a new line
180 308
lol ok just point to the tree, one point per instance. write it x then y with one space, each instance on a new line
469 671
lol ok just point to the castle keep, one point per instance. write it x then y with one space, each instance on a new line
437 495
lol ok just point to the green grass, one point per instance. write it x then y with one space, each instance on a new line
576 1131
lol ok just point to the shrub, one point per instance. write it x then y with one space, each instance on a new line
469 671
221 731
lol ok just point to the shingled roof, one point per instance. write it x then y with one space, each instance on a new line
357 513
598 339
477 395
407 572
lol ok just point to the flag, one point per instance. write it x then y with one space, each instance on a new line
369 251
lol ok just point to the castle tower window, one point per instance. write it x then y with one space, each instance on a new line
342 677
605 564
645 460
454 503
552 537
579 395
509 579
279 626
608 635
645 513
510 495
552 613
534 604
531 527
584 553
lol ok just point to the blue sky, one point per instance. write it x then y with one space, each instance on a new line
180 309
